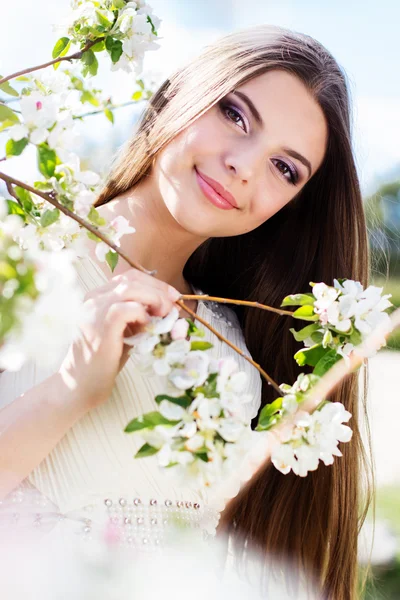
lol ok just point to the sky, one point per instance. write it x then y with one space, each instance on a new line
363 36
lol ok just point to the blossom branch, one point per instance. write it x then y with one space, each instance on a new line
76 55
325 386
342 368
50 198
3 158
238 350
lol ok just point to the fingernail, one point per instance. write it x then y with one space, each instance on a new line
173 293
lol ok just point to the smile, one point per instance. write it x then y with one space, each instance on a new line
212 195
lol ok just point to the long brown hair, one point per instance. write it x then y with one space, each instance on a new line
319 235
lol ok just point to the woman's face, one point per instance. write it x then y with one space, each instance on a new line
261 143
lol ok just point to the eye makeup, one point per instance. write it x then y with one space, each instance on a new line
229 108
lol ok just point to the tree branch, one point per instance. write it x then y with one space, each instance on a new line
50 198
92 228
76 55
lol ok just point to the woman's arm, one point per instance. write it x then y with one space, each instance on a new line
35 422
32 425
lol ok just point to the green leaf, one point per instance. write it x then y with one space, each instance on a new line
87 96
202 455
61 47
6 124
268 415
183 401
317 337
93 237
95 218
326 362
148 421
109 114
304 333
306 313
43 186
91 63
194 330
7 89
24 197
198 345
298 300
146 450
310 356
99 47
112 259
47 160
137 95
15 209
117 4
355 337
114 48
14 148
49 217
6 114
103 19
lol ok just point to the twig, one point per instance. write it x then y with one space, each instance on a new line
76 55
50 198
12 193
3 158
279 311
111 107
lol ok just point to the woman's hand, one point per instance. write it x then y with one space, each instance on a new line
121 307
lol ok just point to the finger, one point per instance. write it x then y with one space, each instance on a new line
120 314
157 303
145 279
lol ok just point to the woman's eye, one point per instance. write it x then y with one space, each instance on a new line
284 169
232 114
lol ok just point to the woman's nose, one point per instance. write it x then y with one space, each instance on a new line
244 164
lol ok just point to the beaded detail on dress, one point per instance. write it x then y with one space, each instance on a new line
135 522
220 311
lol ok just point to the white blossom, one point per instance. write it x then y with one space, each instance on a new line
311 438
119 227
48 324
194 371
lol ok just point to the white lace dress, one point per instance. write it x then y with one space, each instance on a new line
91 476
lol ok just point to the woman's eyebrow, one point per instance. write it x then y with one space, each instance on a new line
260 122
299 157
251 106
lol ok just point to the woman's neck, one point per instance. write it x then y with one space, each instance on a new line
159 242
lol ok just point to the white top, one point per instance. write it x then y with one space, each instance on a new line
94 461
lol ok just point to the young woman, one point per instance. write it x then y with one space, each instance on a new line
240 181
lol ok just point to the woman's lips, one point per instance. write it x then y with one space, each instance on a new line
212 195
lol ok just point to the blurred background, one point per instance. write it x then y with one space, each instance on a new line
364 38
